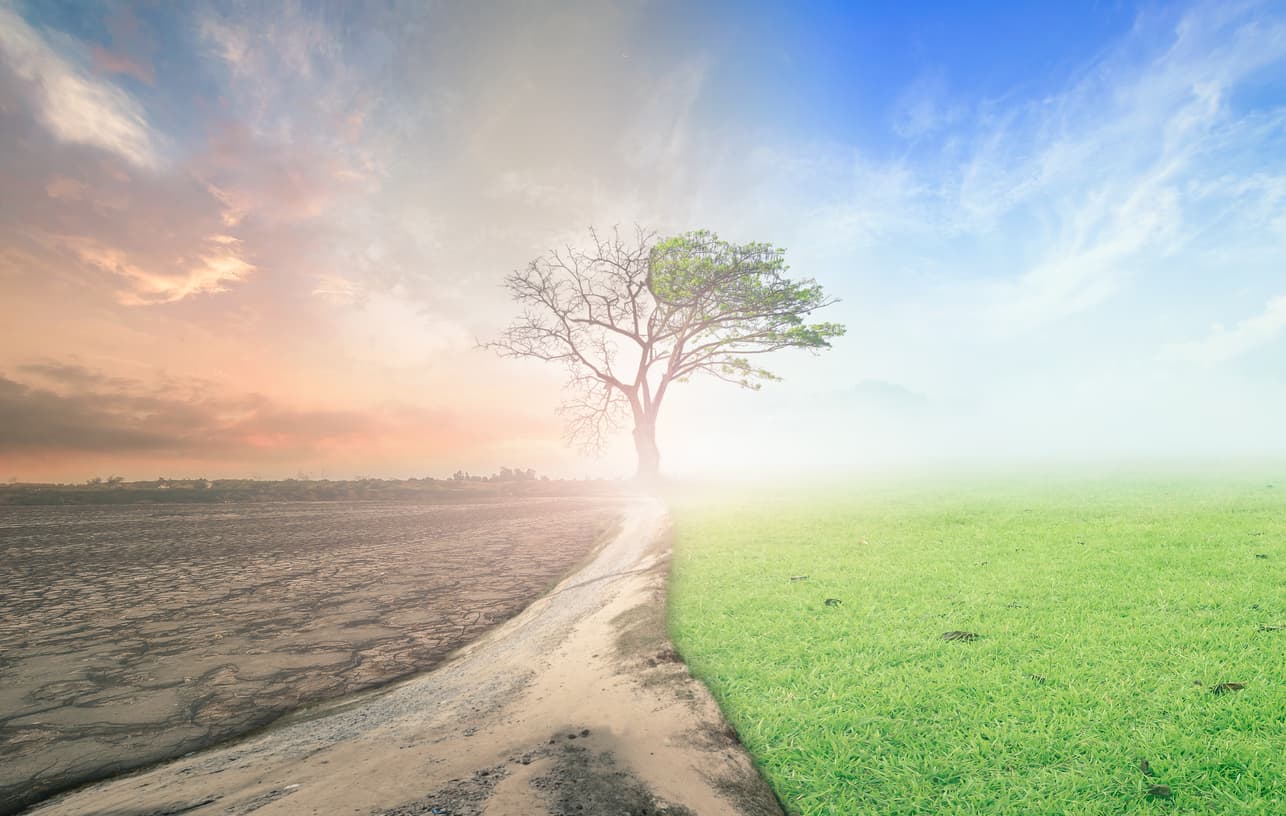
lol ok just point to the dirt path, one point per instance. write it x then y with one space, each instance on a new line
576 706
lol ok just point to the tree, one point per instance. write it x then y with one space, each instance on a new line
628 318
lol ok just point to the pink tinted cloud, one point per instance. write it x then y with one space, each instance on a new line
131 45
276 181
107 61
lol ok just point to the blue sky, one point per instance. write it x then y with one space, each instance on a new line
1058 230
844 72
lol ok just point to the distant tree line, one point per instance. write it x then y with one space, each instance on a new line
503 475
115 490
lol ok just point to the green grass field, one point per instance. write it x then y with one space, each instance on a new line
1106 614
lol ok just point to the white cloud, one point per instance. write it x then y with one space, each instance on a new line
924 107
1085 188
283 42
73 105
1223 344
1108 166
231 42
1105 240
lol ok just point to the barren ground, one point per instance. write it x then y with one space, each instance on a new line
133 634
577 706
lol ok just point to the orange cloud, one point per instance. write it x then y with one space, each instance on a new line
66 189
216 264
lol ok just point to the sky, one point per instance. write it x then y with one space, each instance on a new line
265 239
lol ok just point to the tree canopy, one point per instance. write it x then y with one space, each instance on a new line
628 317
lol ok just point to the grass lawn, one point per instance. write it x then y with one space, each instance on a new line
1106 613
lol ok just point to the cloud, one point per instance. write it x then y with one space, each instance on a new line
66 374
35 420
74 106
274 181
1107 169
78 213
230 42
66 189
214 263
80 410
924 107
131 49
1222 344
113 62
287 40
267 176
1025 212
1108 237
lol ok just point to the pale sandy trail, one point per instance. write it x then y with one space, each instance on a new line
577 705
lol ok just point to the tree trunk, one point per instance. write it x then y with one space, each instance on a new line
645 444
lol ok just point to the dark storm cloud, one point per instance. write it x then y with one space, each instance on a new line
34 419
84 411
69 374
62 372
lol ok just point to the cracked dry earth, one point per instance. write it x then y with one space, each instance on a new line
131 634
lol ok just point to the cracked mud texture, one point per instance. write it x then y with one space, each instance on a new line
136 633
